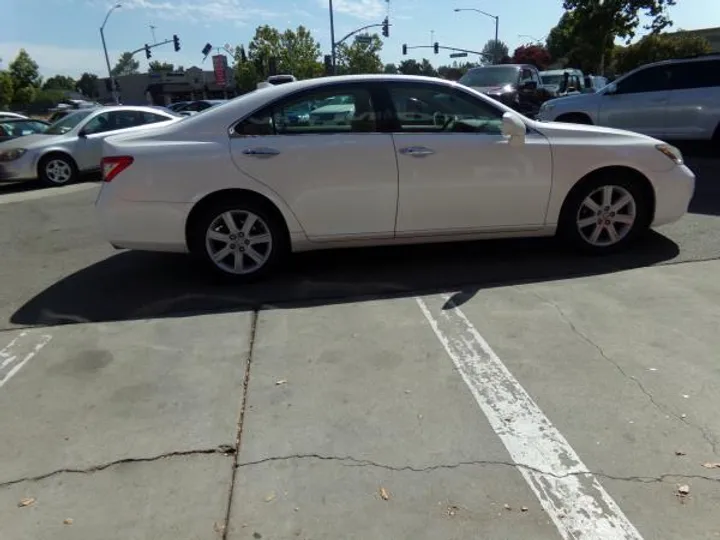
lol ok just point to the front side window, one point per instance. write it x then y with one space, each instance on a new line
333 111
98 124
525 77
67 123
652 79
426 108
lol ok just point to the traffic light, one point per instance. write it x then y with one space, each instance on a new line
176 42
386 28
436 47
404 50
148 54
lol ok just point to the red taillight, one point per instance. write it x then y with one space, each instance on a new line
114 165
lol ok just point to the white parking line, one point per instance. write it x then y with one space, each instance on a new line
19 352
43 193
574 499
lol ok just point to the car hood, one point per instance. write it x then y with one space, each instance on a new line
562 129
32 141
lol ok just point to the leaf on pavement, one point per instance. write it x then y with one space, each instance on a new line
271 497
711 465
68 521
280 382
683 490
384 495
680 453
27 501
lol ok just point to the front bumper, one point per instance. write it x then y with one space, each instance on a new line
18 169
673 192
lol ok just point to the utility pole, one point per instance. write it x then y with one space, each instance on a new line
152 30
115 96
332 38
497 28
432 37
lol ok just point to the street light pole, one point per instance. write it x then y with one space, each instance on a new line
497 28
107 58
332 38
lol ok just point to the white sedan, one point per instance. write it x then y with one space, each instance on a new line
73 144
242 186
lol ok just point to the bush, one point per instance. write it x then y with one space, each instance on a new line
655 48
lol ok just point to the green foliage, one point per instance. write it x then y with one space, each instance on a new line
390 69
24 96
6 89
126 65
87 85
495 50
44 100
360 57
60 82
24 71
454 71
157 65
654 48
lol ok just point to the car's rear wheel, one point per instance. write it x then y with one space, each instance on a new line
604 215
57 170
241 240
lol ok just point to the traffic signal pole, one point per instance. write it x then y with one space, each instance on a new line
175 40
436 47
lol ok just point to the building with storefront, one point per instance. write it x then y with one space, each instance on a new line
166 87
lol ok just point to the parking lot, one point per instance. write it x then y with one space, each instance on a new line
495 390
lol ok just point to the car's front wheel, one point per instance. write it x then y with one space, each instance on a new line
57 170
604 215
242 240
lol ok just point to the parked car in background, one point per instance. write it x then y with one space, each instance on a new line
563 82
673 100
595 82
200 105
8 114
12 128
516 85
178 105
72 145
241 188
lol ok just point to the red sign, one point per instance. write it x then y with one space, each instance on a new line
220 68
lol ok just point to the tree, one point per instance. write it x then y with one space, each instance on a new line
455 71
157 65
6 89
427 69
24 96
126 65
24 71
360 57
653 48
246 76
60 82
87 85
536 55
390 69
495 50
300 54
409 67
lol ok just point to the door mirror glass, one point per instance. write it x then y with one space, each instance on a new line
611 89
82 134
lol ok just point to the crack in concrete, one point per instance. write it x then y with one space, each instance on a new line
704 432
350 461
225 450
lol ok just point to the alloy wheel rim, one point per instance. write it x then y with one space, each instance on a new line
606 216
58 171
239 242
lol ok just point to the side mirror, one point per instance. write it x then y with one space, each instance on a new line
82 134
611 89
514 128
530 85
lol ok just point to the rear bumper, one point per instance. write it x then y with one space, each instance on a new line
151 226
673 192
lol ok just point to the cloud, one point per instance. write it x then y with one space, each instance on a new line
361 9
237 11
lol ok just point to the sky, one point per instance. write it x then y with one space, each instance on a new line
63 36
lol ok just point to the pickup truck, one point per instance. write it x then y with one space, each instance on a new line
517 85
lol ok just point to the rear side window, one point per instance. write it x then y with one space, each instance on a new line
689 75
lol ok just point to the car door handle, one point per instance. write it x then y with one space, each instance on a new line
417 151
260 152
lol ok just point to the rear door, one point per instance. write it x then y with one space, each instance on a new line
335 170
693 110
640 102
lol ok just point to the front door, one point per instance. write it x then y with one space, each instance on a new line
322 153
458 173
639 104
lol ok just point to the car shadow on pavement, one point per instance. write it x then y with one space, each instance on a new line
136 285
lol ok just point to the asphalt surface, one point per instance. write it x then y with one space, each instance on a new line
499 390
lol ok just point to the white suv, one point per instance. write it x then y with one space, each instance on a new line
674 99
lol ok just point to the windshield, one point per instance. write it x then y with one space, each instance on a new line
69 122
552 79
490 76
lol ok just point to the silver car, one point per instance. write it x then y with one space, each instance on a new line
672 100
72 145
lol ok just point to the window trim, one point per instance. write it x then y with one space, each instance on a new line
338 87
395 126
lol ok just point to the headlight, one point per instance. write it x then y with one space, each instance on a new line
12 155
671 152
547 106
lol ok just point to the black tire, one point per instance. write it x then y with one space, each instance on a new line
267 222
64 163
575 118
574 209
